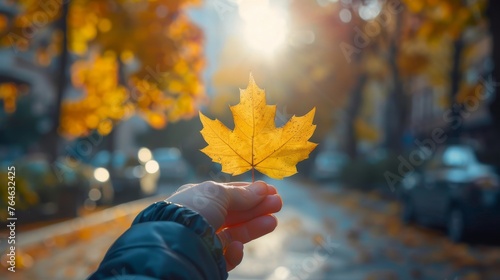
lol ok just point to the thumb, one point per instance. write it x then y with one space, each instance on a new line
246 197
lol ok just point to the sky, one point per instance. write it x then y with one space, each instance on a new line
261 24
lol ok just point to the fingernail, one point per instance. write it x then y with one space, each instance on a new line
238 245
259 188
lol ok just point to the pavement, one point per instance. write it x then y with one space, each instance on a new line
324 232
72 249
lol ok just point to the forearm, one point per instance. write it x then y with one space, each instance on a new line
165 241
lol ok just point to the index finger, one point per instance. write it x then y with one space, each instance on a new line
271 189
237 184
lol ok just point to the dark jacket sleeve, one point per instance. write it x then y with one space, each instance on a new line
165 241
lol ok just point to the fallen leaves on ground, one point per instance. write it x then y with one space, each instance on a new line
381 218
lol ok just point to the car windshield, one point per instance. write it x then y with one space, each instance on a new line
329 158
458 156
462 155
167 154
119 160
101 158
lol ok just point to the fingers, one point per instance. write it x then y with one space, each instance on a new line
246 197
243 233
183 187
237 184
250 230
270 204
230 203
272 189
233 254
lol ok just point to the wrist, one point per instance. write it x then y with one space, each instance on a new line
173 212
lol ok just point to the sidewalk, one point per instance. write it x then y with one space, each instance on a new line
72 249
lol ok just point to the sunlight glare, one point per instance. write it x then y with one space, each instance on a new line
370 11
265 27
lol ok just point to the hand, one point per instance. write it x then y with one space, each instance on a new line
239 212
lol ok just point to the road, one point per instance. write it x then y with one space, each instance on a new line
324 232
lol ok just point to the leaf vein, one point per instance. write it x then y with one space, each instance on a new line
280 147
227 144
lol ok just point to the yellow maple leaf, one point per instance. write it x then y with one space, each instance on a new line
256 142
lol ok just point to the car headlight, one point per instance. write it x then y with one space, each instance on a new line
152 166
144 155
101 174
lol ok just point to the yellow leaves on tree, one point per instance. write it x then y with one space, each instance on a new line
104 101
365 131
83 25
166 86
150 102
256 142
142 57
9 94
445 17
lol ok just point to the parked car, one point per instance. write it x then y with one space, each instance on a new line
173 166
53 191
454 190
328 165
130 177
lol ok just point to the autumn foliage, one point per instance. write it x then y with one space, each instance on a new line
126 57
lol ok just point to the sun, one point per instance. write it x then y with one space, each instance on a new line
265 26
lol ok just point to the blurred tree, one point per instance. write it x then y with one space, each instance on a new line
371 48
494 25
126 57
396 42
454 26
385 44
9 93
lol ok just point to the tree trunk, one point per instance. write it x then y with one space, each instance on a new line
356 99
396 108
396 113
111 137
456 77
494 20
52 137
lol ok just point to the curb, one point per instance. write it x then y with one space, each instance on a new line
67 229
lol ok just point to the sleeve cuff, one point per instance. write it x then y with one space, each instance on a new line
168 211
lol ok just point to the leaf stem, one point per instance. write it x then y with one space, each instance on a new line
253 174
